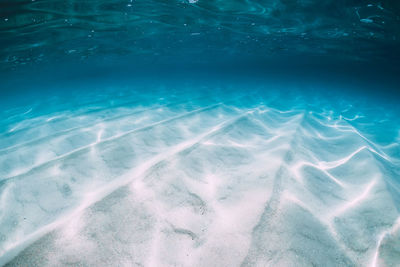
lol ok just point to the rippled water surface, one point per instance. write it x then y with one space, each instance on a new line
199 133
41 30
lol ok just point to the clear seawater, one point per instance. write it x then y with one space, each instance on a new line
199 133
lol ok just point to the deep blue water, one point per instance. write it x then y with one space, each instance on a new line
199 133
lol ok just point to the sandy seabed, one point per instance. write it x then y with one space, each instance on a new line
177 178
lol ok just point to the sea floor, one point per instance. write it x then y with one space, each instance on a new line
199 177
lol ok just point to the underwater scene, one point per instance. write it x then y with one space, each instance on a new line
200 133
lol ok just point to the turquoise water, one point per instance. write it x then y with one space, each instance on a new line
199 133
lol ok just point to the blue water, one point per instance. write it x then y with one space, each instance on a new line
199 133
